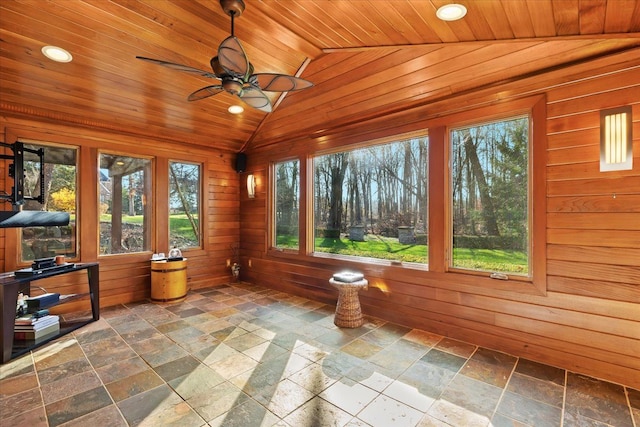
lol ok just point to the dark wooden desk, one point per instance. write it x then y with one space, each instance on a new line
10 286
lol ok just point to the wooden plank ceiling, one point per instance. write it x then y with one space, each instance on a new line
367 58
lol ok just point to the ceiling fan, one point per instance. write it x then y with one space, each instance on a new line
232 67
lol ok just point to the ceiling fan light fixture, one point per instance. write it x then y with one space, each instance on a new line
56 53
451 12
235 109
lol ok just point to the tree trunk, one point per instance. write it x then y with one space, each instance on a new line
338 170
488 211
185 203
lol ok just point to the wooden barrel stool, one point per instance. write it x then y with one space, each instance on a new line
168 280
348 311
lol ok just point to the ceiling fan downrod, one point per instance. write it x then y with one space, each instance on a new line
232 8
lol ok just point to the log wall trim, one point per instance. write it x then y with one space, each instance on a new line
588 317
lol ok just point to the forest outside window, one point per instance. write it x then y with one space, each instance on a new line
490 193
372 202
184 205
60 173
125 204
287 205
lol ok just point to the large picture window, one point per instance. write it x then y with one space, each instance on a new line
287 205
490 197
184 205
372 202
125 204
60 173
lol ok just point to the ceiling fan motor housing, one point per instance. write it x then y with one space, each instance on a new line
232 85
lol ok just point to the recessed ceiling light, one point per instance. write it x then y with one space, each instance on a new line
235 109
57 54
451 12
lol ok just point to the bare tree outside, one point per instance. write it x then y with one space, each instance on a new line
374 194
184 205
287 199
490 195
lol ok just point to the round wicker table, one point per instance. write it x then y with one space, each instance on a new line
348 311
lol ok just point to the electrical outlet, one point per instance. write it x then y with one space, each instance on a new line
228 263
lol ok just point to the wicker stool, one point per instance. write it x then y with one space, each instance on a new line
348 312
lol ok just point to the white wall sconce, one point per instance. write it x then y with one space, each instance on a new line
616 142
251 186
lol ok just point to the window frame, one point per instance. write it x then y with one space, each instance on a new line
436 128
535 108
273 232
151 196
12 260
310 200
450 215
75 243
201 167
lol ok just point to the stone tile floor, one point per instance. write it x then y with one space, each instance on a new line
242 355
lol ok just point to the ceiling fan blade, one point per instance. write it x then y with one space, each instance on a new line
280 82
179 67
255 98
205 92
232 58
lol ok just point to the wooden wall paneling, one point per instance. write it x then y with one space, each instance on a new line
438 250
614 238
602 289
89 231
609 184
624 82
509 338
126 277
554 314
160 242
588 321
595 203
590 220
594 254
596 271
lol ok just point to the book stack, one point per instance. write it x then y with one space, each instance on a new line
33 328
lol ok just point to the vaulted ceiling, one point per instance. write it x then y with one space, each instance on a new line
367 59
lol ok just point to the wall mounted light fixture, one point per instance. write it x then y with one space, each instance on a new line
251 186
616 142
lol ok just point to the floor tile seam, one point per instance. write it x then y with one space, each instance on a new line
139 355
449 351
249 397
381 393
633 420
564 398
532 398
102 385
35 371
434 400
504 391
599 399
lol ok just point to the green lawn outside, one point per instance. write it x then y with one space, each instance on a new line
506 261
178 224
379 247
